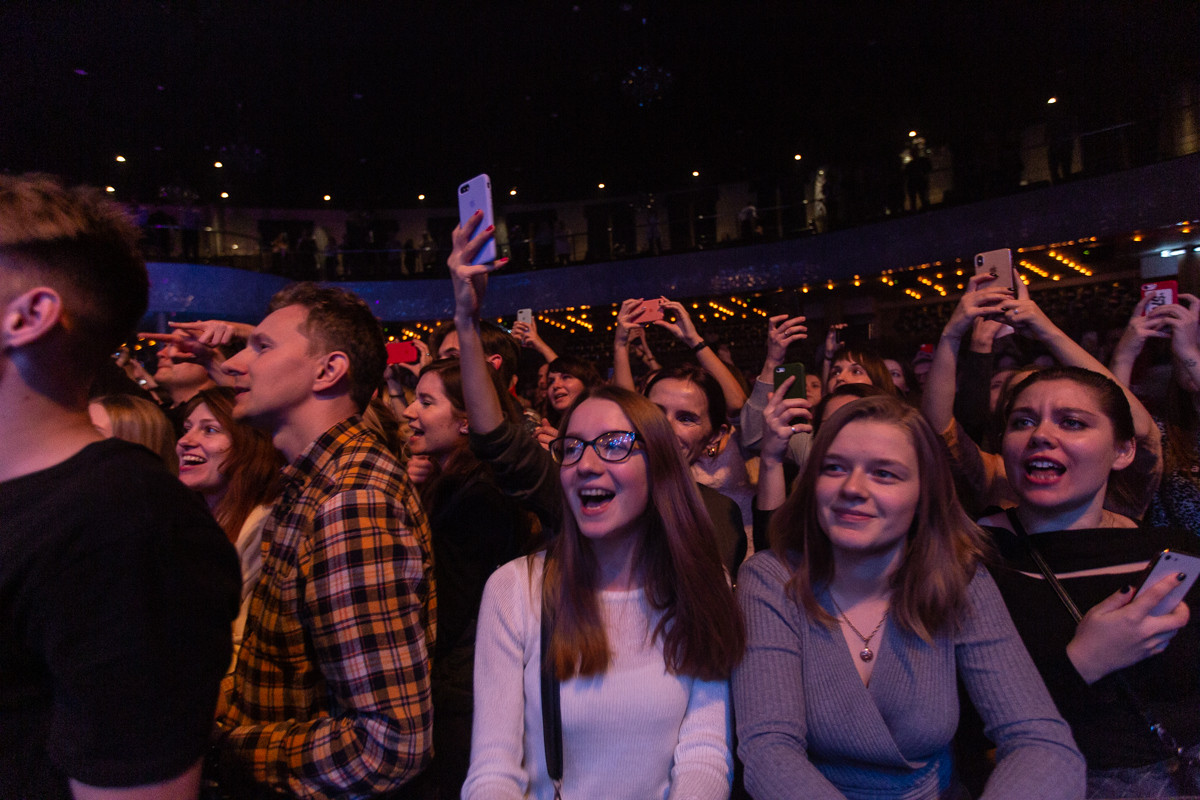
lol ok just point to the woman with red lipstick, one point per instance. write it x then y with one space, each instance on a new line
1119 669
642 629
870 608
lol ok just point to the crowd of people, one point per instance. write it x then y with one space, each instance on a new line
280 565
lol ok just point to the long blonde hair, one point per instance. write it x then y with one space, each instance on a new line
140 421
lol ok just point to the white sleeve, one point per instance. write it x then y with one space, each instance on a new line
498 729
703 767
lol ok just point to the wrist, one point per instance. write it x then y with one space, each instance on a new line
1080 662
693 341
951 336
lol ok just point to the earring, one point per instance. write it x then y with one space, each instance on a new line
711 451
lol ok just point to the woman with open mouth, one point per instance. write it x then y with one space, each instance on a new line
236 469
475 528
1127 664
870 608
612 648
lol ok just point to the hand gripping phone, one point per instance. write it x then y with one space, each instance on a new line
798 390
525 315
648 311
1000 263
1171 562
402 353
1160 294
476 195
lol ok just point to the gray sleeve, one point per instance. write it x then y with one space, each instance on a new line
523 470
1036 756
751 423
768 694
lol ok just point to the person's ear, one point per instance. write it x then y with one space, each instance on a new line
496 361
30 316
331 369
1126 452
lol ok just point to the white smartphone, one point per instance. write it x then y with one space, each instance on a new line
1171 562
1000 263
525 315
476 195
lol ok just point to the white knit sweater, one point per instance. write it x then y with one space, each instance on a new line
634 732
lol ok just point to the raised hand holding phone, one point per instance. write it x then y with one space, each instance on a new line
476 196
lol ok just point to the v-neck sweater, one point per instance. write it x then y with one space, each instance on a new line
808 727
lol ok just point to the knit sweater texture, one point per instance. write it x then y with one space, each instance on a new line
635 731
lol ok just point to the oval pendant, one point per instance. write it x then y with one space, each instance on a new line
866 654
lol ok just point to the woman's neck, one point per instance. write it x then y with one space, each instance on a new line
865 576
1087 515
214 498
616 558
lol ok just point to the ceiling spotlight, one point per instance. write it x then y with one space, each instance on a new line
797 156
109 189
695 174
121 159
224 195
513 192
912 134
600 185
1052 101
218 164
420 197
328 198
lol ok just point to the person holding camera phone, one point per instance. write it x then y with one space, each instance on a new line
1177 501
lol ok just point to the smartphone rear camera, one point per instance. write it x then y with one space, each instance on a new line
979 261
463 189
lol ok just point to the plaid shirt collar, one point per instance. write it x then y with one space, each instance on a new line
316 457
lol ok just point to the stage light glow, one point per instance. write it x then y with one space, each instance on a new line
420 197
328 198
513 193
695 174
600 185
912 134
121 159
797 156
218 164
109 189
224 195
1052 101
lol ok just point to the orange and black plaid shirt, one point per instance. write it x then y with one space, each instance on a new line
330 694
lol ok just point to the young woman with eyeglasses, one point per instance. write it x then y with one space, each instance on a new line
643 630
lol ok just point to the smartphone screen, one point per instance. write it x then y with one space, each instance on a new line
476 195
799 389
1000 263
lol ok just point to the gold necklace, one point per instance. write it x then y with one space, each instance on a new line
865 654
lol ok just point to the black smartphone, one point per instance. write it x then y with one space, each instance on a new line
799 389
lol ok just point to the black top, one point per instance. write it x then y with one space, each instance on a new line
727 520
1108 728
117 593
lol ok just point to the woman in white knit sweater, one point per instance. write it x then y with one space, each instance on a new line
644 629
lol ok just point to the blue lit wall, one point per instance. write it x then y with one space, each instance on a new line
1148 197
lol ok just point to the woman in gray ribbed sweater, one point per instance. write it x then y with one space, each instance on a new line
875 566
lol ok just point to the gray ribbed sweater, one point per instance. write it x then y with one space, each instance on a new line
809 728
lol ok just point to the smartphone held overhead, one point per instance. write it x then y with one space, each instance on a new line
1161 293
799 389
476 195
998 263
648 311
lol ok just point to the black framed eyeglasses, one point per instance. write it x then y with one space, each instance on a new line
611 446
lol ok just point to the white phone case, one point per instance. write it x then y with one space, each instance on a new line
474 195
1172 562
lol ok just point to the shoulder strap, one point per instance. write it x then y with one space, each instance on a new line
1048 573
1164 737
551 709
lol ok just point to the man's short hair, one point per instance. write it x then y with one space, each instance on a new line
339 320
81 244
496 342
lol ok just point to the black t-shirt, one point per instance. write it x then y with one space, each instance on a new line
117 591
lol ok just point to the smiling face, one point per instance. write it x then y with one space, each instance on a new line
845 371
437 427
608 499
867 490
274 375
1059 448
686 408
202 451
563 389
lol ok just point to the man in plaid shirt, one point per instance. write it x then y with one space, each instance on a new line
330 694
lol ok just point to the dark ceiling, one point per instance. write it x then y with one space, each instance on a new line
375 103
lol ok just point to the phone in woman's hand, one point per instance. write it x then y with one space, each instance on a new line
476 195
1171 562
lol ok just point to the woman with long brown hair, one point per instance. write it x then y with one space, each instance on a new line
236 469
870 606
642 627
